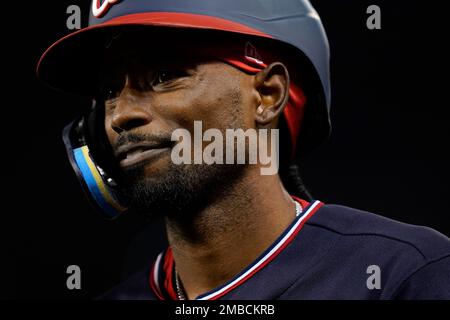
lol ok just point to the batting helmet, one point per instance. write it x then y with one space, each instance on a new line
292 25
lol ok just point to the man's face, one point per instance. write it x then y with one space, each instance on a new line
147 97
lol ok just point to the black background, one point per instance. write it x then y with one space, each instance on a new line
387 154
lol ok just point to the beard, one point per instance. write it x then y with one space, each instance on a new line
181 191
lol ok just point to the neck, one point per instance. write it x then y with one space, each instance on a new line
230 233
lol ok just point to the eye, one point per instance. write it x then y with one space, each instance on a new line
111 87
109 94
164 76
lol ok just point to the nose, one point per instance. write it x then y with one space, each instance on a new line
129 113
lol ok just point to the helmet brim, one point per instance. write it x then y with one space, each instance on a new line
69 64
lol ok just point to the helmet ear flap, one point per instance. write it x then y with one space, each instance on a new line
99 146
88 154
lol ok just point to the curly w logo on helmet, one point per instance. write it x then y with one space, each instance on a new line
101 7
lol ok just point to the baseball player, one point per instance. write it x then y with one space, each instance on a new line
153 67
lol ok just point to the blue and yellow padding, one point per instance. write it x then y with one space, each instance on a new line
97 187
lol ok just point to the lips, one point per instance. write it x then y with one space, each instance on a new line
133 154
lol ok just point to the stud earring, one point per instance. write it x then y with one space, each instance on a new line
260 110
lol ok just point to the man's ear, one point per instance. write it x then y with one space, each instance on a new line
272 85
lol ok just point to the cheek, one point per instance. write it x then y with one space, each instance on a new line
110 133
216 101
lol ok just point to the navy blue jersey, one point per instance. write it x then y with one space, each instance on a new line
328 252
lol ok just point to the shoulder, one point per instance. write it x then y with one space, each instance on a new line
414 260
427 243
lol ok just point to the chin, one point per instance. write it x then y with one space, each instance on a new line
156 168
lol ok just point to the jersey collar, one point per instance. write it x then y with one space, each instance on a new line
162 273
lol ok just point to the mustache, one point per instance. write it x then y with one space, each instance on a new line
135 137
